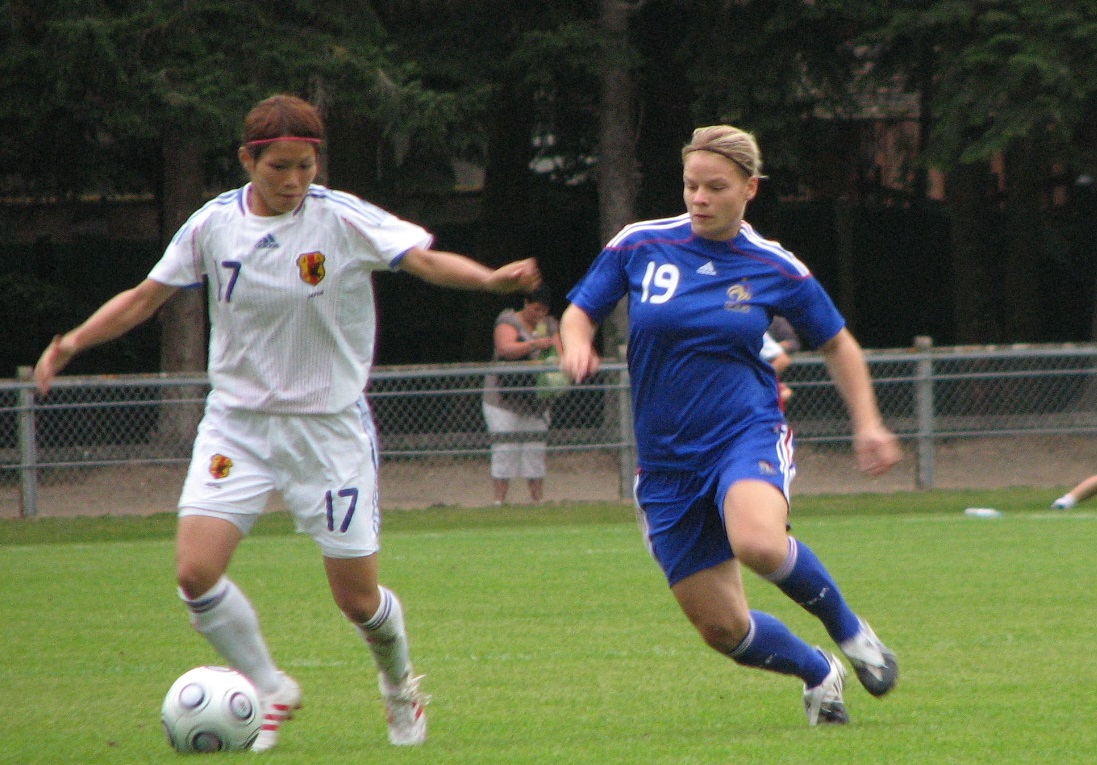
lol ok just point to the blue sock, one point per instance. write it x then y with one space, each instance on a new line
805 579
771 645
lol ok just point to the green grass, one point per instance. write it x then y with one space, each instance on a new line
548 636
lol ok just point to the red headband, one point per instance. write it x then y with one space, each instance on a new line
264 141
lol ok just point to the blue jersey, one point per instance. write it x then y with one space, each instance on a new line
698 310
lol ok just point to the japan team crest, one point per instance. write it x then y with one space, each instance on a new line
220 466
311 267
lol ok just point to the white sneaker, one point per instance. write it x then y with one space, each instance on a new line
1065 502
404 705
823 703
874 663
277 708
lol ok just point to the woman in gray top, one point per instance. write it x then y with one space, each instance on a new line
516 417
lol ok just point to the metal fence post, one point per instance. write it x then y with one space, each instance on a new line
627 455
28 447
923 397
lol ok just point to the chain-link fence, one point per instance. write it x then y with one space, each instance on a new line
118 444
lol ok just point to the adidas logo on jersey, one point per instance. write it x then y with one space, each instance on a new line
708 269
268 242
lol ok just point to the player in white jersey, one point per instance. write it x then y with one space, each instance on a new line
773 352
714 450
292 321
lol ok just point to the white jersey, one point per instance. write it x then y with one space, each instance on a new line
292 317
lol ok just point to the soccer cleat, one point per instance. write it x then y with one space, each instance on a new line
277 708
874 663
823 703
404 706
1064 502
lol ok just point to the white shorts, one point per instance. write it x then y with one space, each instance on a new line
516 456
325 466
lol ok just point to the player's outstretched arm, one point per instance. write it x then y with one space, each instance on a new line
448 269
876 447
113 319
579 359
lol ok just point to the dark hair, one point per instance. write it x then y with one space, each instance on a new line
281 116
541 295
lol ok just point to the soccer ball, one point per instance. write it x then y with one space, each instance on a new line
211 709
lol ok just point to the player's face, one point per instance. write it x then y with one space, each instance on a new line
280 177
716 192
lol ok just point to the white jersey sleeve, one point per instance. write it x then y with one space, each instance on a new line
388 236
182 264
771 349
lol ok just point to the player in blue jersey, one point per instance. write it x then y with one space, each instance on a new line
289 267
714 450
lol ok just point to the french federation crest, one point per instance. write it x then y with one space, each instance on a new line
311 267
220 466
737 293
739 296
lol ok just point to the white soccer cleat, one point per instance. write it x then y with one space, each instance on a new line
404 706
823 703
277 708
874 663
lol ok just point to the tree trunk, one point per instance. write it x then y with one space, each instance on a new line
1023 249
974 290
183 317
617 165
618 185
504 234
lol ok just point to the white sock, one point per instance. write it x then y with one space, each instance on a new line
228 621
388 641
1067 501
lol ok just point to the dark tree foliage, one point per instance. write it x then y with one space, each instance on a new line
95 88
1009 79
90 85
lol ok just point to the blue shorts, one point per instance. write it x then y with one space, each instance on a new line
681 512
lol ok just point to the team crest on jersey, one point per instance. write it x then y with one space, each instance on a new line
739 296
220 466
311 267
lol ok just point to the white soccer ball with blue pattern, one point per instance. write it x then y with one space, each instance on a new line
211 709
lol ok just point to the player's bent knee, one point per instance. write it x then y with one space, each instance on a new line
195 578
762 555
359 608
358 602
721 637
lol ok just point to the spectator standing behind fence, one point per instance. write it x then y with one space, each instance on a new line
517 417
715 453
289 267
1079 493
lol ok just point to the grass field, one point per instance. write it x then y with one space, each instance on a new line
548 636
